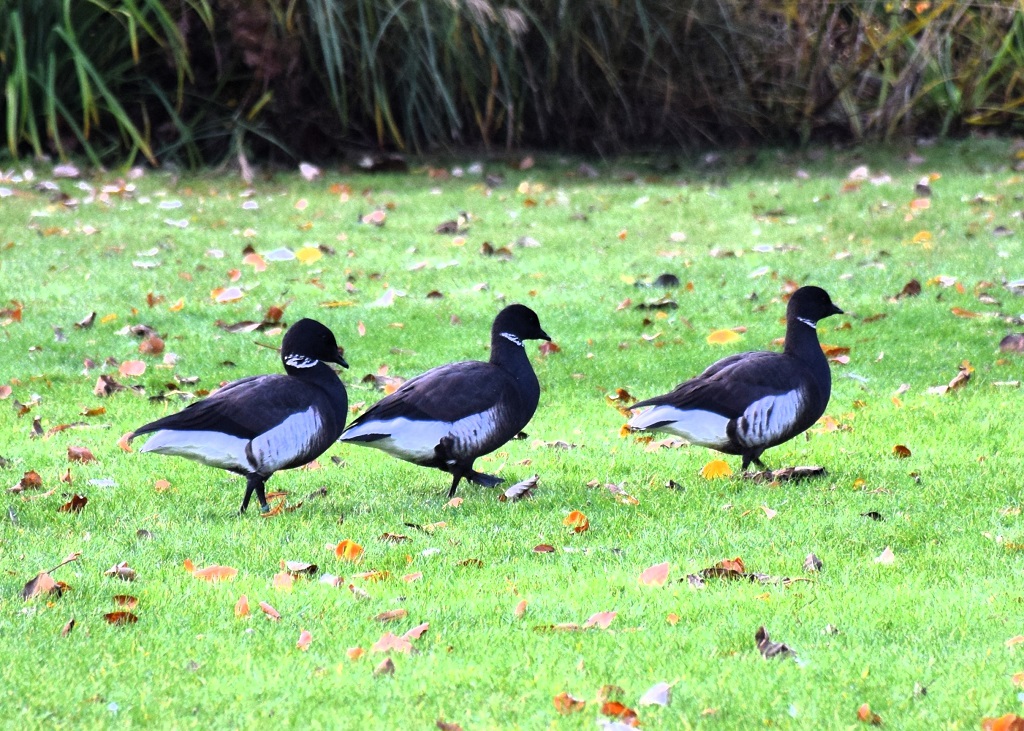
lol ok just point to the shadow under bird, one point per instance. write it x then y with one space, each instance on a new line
258 425
748 402
450 415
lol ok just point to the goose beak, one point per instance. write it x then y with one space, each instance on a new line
543 336
340 359
836 311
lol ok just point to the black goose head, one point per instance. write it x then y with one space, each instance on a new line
810 304
517 323
309 341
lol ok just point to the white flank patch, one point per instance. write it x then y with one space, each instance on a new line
279 446
212 448
414 441
766 420
704 428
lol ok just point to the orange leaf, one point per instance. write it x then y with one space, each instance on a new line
390 641
1009 722
214 573
270 611
242 606
304 639
391 615
656 575
960 312
348 550
416 632
132 368
409 578
577 521
255 261
234 275
901 451
454 502
617 710
672 618
354 653
723 337
866 715
715 469
520 609
177 306
565 703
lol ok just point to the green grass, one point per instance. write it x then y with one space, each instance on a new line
937 618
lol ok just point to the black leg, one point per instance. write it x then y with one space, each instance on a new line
456 477
254 483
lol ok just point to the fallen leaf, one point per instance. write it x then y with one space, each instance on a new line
416 632
270 611
901 451
659 694
454 502
960 312
305 638
625 715
656 575
29 481
80 454
42 583
242 606
566 703
601 620
354 653
283 581
716 469
520 490
121 571
68 627
127 601
348 550
866 715
409 578
120 618
886 558
391 615
390 641
543 548
213 573
768 648
1008 722
385 667
520 609
723 337
812 563
75 505
577 521
132 368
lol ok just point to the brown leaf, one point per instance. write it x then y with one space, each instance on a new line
901 451
768 648
29 481
80 454
42 584
445 726
385 667
960 312
812 563
242 606
301 568
106 385
132 368
121 571
543 548
283 581
305 638
416 632
474 562
729 568
68 627
270 611
74 505
126 600
566 703
520 490
391 615
214 572
120 618
153 345
910 289
393 538
548 347
86 322
1012 343
390 641
520 609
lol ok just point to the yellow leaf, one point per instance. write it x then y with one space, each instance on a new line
723 337
715 468
309 254
922 237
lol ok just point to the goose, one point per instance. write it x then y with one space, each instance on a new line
259 425
749 402
450 415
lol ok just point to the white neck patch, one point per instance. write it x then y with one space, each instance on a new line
808 323
300 361
512 338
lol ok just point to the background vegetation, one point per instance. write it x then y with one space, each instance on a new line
199 81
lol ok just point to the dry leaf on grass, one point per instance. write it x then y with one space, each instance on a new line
771 649
655 575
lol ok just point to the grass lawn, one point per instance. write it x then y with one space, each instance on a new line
923 640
